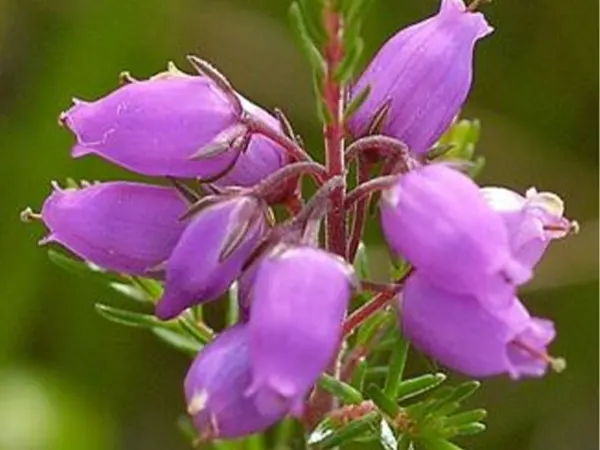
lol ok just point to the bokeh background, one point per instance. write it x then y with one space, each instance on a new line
69 380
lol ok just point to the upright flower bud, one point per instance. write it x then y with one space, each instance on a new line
299 300
211 253
124 227
156 126
215 389
458 332
437 219
425 73
532 221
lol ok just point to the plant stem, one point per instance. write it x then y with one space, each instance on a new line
367 310
333 132
375 304
333 97
378 144
296 152
366 189
277 180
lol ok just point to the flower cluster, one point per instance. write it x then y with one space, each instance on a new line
229 161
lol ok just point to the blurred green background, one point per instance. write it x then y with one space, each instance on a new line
70 380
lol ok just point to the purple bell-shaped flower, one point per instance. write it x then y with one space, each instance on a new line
211 253
120 226
157 127
299 299
437 219
461 334
532 220
215 389
424 73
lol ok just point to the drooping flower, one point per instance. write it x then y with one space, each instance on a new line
120 226
458 332
425 73
300 296
532 221
215 389
437 219
156 126
211 253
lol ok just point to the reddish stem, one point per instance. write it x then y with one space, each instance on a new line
363 191
378 144
375 304
333 97
289 145
333 132
367 310
278 179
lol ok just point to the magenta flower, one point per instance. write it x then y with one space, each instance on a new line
215 388
211 253
425 73
119 226
437 219
299 300
461 334
532 221
155 127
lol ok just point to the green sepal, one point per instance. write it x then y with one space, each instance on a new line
128 318
356 102
312 53
393 381
438 444
84 269
465 418
361 262
233 306
339 389
384 403
463 391
312 11
359 375
463 135
418 385
178 341
470 429
347 433
346 69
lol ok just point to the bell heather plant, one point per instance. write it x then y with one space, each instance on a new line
306 326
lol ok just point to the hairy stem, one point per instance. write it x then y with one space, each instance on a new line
333 97
367 310
276 180
375 304
366 189
296 152
335 236
378 144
